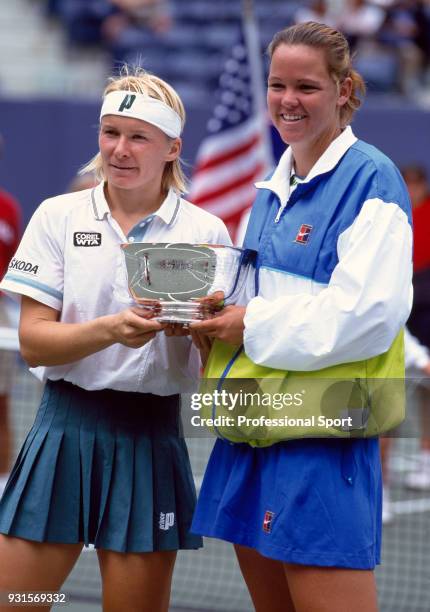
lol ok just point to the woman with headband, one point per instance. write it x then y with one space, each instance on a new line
105 463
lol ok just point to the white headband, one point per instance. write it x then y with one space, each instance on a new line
137 105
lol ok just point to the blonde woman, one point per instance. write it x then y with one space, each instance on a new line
105 462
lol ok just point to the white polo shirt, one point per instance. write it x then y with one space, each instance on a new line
70 259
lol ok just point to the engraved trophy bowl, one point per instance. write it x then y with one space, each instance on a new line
177 280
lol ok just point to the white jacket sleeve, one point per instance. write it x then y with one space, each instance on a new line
357 315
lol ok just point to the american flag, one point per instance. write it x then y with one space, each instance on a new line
236 151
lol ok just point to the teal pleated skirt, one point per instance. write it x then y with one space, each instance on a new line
103 467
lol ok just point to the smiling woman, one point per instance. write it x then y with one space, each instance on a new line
105 461
330 293
305 109
312 93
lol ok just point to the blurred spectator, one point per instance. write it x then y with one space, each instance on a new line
417 336
360 21
10 218
419 321
318 10
83 19
383 3
53 8
112 21
391 39
417 362
134 25
419 191
399 33
154 14
421 13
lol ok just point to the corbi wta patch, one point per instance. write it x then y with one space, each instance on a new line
87 239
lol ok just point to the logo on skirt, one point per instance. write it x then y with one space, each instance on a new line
267 521
167 520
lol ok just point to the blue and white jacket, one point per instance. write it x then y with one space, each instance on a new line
334 264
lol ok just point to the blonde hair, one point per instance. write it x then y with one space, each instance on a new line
338 57
140 81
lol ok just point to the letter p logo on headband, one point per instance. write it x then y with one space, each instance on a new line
139 106
127 103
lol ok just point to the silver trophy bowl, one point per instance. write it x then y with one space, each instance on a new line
177 280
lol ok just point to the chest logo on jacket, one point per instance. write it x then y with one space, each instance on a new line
303 234
87 239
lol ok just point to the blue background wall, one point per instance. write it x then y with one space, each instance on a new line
47 141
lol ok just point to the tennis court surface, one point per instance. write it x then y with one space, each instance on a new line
209 579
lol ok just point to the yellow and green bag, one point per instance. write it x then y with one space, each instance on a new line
262 406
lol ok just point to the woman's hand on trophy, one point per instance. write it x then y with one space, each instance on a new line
206 307
226 325
133 328
149 309
176 329
213 300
